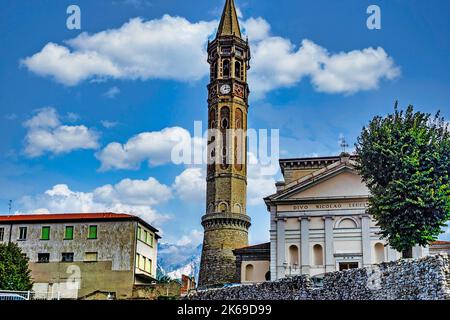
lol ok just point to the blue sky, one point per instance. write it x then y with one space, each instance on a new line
73 102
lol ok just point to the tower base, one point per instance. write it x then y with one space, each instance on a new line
223 234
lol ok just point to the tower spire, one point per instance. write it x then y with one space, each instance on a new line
229 23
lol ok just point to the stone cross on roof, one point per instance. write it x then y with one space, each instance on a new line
344 144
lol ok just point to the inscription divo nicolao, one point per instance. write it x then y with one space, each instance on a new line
325 206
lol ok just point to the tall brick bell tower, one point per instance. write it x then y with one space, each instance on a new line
226 222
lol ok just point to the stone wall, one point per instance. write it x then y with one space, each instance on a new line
424 279
154 291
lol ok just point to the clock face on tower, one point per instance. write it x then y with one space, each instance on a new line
225 89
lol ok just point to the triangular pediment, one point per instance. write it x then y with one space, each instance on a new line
339 180
345 183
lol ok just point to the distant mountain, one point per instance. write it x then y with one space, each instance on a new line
175 260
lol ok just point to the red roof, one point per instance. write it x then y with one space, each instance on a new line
440 242
65 217
59 217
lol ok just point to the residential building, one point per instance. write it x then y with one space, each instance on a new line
187 284
73 255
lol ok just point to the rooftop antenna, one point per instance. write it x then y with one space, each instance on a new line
10 206
344 145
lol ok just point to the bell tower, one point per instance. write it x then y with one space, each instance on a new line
226 222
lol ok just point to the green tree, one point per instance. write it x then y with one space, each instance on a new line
404 159
14 272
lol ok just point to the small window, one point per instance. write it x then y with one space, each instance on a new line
249 270
23 233
67 257
348 265
148 266
379 253
150 239
293 255
145 236
68 235
91 257
237 69
318 255
139 233
45 233
224 123
92 232
43 257
226 68
138 259
2 233
142 263
214 71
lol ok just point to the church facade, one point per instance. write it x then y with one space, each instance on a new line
318 220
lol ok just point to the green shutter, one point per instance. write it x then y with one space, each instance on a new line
69 233
92 232
151 239
45 233
139 233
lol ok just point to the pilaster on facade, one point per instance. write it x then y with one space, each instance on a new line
281 248
365 238
304 244
329 244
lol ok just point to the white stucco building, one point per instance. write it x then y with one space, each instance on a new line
319 222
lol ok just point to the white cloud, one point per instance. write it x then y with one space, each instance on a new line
112 92
259 184
47 134
193 239
128 196
256 29
279 64
166 48
135 192
138 4
72 117
190 185
10 116
70 68
154 147
108 124
174 48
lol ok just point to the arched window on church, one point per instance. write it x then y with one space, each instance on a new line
226 68
379 253
318 255
293 255
237 69
249 270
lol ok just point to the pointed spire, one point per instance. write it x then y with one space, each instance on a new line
229 24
